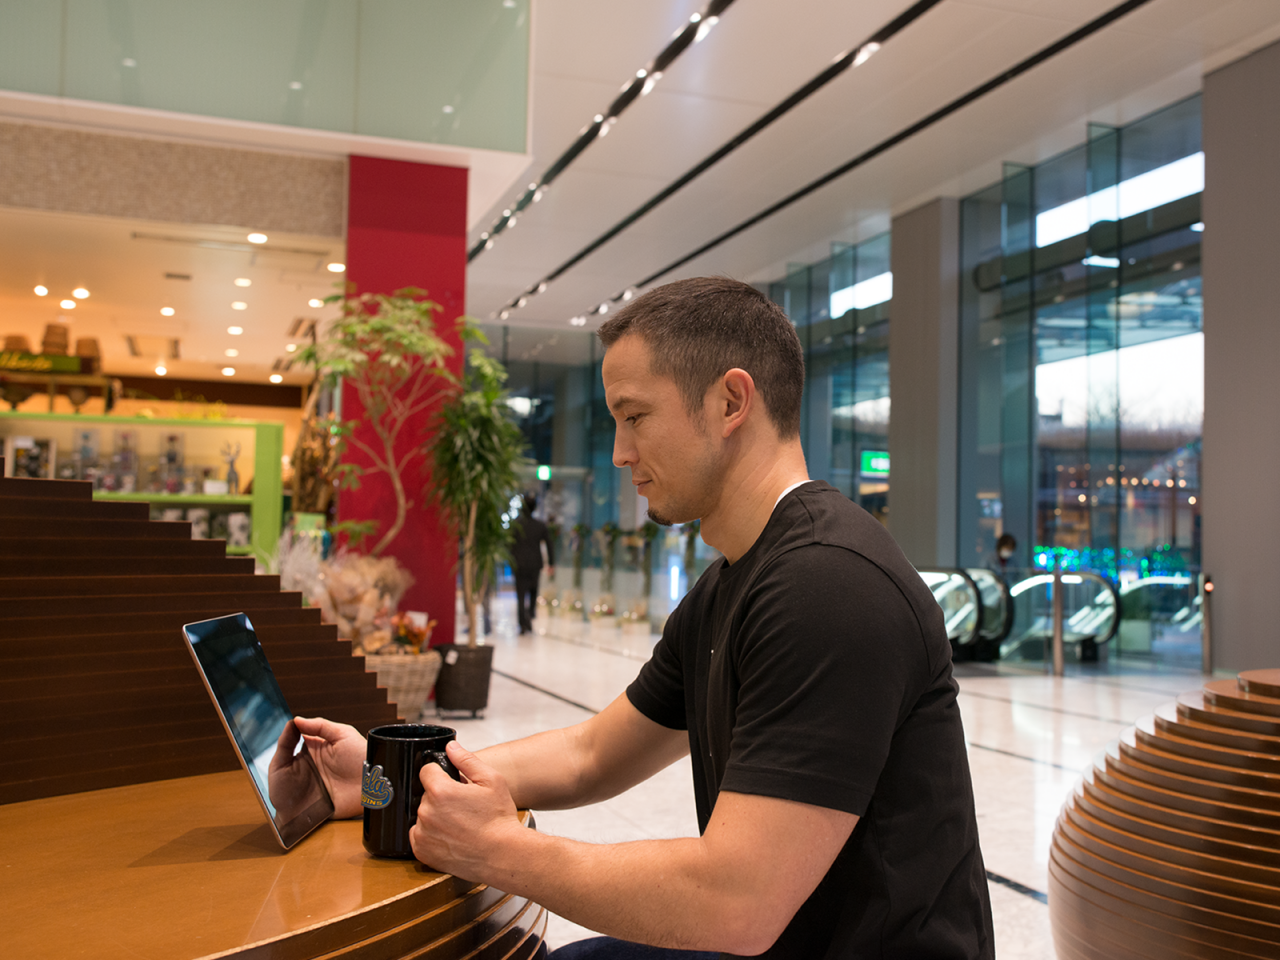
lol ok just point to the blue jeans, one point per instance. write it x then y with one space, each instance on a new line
607 948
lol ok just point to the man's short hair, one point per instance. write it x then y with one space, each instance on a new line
698 329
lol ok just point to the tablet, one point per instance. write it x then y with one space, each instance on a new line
258 721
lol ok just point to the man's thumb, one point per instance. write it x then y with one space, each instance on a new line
468 764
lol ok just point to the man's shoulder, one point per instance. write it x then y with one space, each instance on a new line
822 527
817 514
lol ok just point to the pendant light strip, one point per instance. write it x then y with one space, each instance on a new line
699 25
960 102
854 57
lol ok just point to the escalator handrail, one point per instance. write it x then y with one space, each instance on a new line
1042 576
1006 601
956 571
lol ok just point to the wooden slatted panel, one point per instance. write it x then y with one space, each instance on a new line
1170 846
93 668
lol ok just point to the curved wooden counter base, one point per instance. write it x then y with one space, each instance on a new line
184 869
1170 845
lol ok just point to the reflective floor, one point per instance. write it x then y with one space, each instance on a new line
1029 736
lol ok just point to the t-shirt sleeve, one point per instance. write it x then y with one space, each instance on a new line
829 659
658 690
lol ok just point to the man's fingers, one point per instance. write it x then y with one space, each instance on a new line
320 727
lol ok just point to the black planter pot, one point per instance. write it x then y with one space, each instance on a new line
463 683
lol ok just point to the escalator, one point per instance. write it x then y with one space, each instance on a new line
989 617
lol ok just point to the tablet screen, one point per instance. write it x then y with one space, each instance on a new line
256 717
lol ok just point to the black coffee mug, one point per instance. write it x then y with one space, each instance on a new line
391 787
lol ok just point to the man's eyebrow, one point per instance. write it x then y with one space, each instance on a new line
621 402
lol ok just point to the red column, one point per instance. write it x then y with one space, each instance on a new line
407 227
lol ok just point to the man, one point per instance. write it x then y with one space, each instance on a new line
526 560
808 673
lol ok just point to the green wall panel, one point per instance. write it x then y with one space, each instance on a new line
469 59
30 39
386 68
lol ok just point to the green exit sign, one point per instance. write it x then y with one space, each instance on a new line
875 463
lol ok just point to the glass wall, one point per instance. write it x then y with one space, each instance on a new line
840 307
1082 356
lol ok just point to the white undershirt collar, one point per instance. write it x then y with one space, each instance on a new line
785 492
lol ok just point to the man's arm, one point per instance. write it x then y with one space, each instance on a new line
585 763
733 889
588 762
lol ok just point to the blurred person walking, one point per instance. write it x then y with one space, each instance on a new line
526 561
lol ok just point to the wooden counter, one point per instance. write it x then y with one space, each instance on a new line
182 869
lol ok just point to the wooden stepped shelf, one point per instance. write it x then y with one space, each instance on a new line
95 680
1170 845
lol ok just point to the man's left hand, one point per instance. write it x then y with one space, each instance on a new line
460 823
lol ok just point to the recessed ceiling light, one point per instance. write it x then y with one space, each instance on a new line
295 85
448 108
243 282
68 304
313 302
290 347
232 352
276 378
166 311
161 370
235 331
80 293
42 290
337 267
239 305
257 238
128 62
228 371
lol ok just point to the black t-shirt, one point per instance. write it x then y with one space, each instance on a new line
817 669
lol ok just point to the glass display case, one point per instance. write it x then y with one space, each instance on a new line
221 475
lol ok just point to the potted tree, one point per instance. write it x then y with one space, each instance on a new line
476 453
387 348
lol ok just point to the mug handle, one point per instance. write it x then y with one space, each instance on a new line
441 759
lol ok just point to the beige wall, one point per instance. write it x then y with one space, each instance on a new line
1241 458
50 168
923 365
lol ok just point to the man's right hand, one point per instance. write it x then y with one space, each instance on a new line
339 752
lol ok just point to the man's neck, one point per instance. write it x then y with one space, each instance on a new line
749 496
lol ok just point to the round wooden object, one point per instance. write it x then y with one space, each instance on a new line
1170 845
187 868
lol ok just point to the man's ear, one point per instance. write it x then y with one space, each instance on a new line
736 400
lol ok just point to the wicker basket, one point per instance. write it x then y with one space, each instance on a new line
407 677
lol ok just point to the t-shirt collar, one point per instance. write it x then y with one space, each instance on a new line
786 491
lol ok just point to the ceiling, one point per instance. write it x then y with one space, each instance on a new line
759 53
583 52
124 265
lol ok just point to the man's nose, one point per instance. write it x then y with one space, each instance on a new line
623 451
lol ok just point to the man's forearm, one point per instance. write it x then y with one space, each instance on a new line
661 892
544 771
588 762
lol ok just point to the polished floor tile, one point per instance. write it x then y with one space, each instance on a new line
1030 736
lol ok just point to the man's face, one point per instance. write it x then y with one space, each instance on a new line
674 461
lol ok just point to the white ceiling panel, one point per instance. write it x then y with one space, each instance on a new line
755 57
